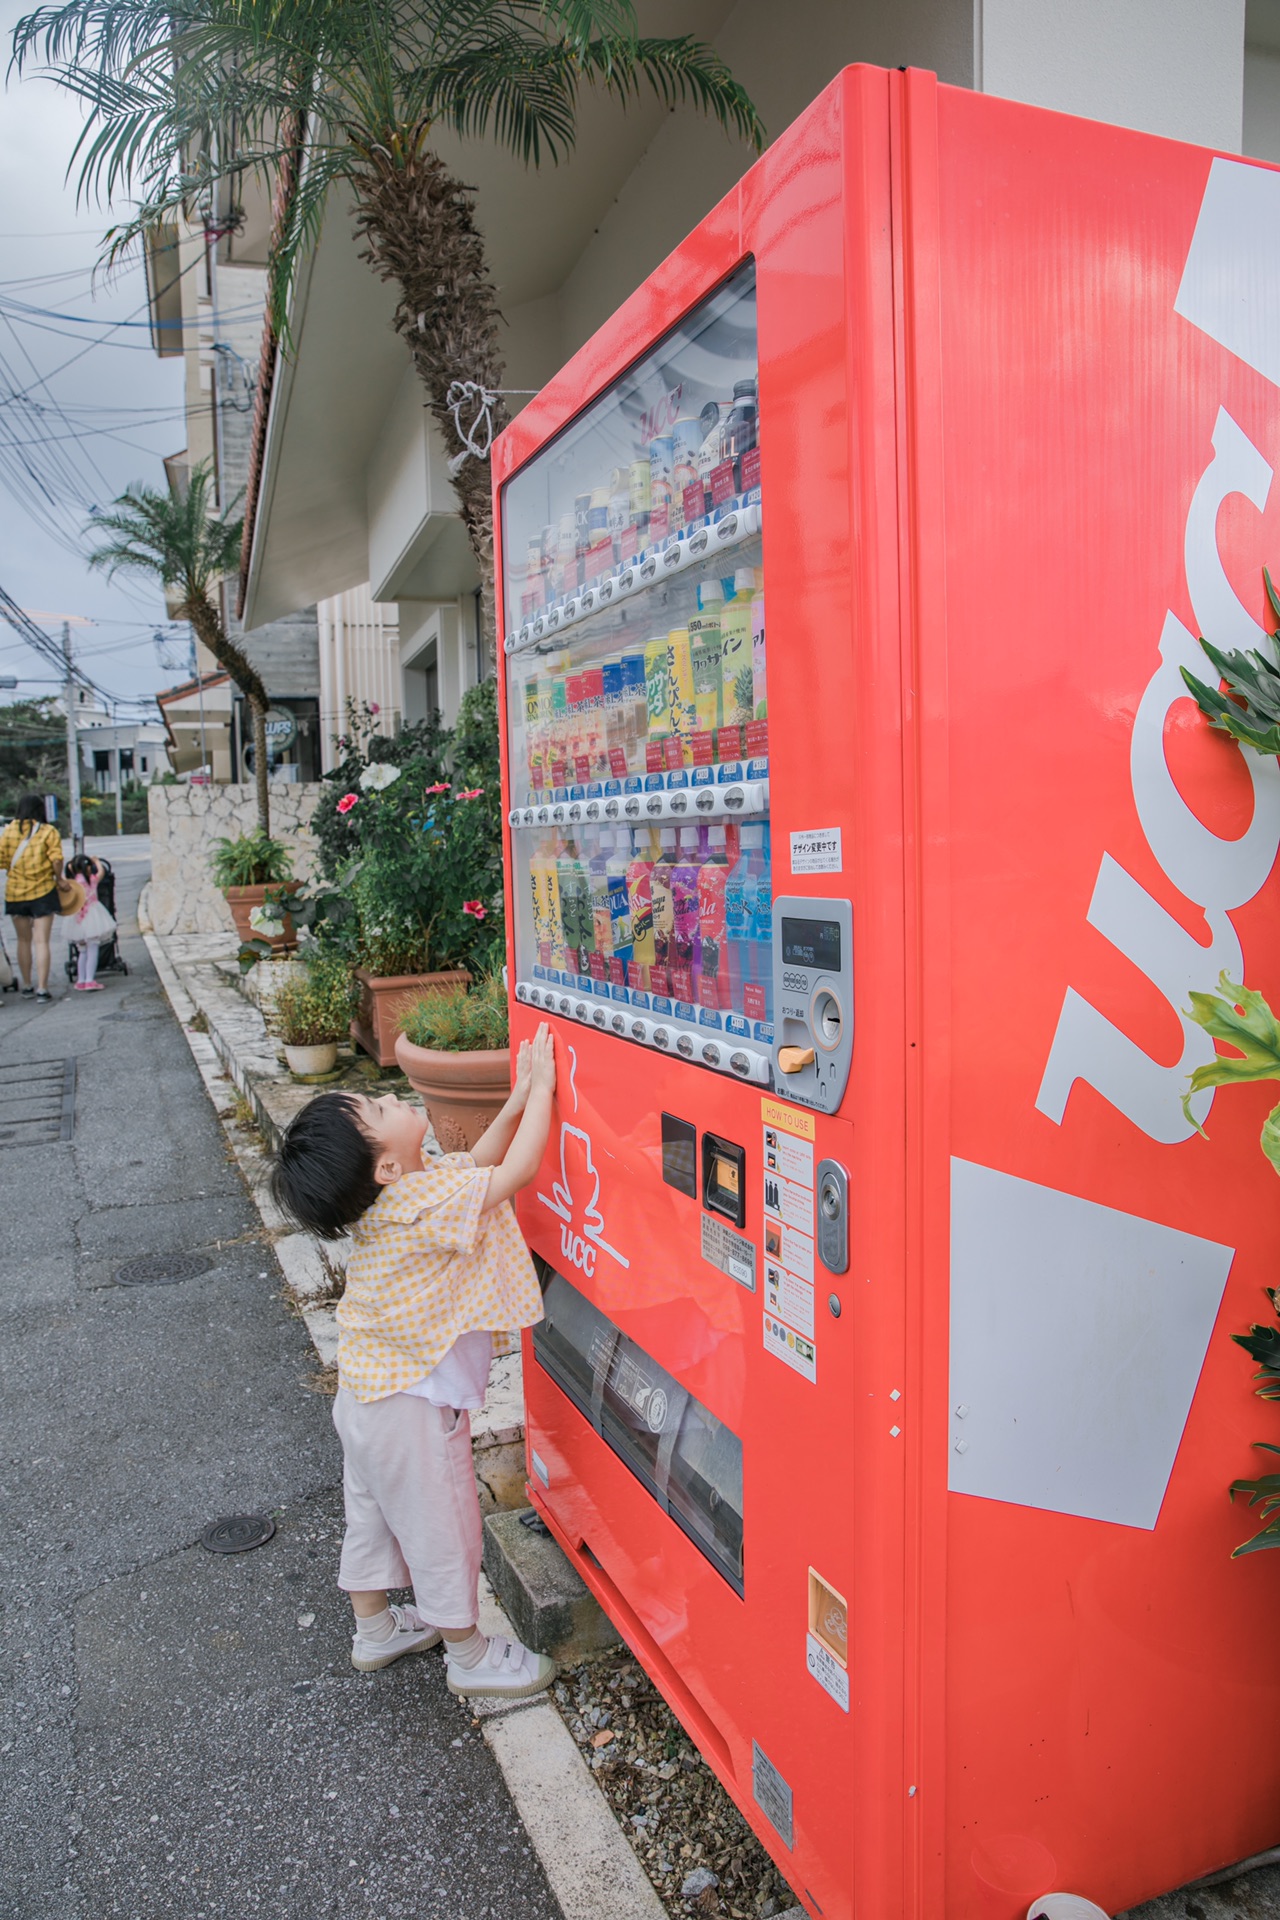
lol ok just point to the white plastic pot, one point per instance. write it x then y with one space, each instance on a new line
306 1062
1065 1906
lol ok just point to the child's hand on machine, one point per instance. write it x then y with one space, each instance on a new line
524 1076
543 1059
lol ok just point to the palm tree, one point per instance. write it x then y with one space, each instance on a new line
178 540
184 95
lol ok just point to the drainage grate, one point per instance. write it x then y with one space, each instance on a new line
162 1269
37 1102
238 1533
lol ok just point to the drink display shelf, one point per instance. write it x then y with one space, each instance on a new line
737 800
722 1052
736 524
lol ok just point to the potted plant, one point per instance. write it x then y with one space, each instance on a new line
421 818
245 868
313 1011
454 1051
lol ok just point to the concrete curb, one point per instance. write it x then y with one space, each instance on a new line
584 1852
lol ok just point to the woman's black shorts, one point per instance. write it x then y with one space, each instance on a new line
32 909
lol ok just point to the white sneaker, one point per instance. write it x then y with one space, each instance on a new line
506 1671
413 1634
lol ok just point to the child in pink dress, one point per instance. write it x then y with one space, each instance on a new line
91 926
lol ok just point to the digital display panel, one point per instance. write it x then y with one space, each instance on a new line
811 943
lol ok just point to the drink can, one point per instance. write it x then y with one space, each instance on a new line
638 483
661 468
581 523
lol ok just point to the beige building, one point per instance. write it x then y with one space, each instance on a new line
350 507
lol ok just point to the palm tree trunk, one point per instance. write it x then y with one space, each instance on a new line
203 615
258 708
420 232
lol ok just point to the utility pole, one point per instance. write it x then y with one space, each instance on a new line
73 745
115 755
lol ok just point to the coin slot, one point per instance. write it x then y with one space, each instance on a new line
828 1021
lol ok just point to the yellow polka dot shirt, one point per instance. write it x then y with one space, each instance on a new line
428 1266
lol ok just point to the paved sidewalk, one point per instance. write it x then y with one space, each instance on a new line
182 1733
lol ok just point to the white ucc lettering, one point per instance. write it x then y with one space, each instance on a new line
1215 874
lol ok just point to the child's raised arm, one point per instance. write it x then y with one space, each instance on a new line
523 1157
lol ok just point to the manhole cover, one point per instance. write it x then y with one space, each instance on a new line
162 1269
238 1533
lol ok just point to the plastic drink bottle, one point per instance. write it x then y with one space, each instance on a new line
758 997
575 908
741 422
759 693
636 705
657 680
713 875
547 919
705 651
640 893
684 898
601 915
684 713
739 905
620 930
737 684
664 911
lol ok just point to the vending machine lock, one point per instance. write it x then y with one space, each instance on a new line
833 1217
724 1178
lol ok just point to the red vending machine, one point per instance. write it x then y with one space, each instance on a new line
864 848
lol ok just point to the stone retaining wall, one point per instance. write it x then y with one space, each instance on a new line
185 822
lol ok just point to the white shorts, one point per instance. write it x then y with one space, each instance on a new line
413 1516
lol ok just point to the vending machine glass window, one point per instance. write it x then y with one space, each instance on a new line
637 703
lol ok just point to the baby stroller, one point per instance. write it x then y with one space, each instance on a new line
110 958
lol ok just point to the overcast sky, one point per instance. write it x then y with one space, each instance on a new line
85 405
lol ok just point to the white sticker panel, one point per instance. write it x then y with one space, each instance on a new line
791 1347
817 850
790 1298
827 1671
1077 1337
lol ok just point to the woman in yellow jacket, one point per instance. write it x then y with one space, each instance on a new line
31 853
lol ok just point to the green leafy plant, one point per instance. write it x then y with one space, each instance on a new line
316 1005
1263 1343
1249 709
1244 1020
460 1022
250 860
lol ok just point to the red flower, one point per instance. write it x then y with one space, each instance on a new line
474 907
374 707
441 786
347 801
472 793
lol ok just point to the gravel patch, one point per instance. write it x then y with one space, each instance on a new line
695 1846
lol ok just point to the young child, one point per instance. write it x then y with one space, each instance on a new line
439 1265
91 925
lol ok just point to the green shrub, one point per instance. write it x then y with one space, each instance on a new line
250 860
317 1005
460 1022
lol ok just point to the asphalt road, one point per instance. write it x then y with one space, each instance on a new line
181 1733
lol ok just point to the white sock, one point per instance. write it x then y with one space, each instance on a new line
376 1628
470 1652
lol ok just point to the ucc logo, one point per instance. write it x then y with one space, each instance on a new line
578 1177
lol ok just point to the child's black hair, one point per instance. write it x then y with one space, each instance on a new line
31 810
323 1175
81 868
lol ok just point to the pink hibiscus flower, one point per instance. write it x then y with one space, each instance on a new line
475 908
472 793
347 801
441 786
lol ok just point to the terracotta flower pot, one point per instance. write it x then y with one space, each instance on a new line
462 1092
383 998
243 900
